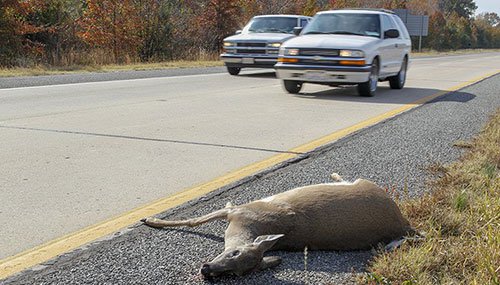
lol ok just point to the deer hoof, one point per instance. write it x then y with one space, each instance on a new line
336 177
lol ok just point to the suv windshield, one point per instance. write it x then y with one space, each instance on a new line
345 24
272 25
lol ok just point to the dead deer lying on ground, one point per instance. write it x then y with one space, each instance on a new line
332 216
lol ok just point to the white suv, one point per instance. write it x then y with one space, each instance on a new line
347 47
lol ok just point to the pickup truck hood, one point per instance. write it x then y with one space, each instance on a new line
266 37
330 41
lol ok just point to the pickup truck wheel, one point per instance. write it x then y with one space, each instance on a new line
398 81
292 87
233 70
369 87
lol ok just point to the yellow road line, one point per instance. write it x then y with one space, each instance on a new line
45 252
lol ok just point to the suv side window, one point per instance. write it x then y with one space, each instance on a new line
402 27
388 24
303 22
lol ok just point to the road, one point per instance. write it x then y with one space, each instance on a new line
74 155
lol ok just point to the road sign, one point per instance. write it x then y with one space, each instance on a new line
417 25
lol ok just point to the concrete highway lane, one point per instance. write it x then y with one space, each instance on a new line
75 155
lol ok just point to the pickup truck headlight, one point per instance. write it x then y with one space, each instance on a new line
274 45
229 44
351 53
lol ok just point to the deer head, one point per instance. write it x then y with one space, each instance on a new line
243 259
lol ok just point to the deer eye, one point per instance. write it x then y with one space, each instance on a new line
234 253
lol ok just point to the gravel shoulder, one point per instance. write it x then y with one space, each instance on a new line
395 154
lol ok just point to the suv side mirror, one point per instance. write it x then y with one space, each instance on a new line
297 30
237 32
391 34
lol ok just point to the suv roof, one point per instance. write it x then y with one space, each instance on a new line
354 10
282 15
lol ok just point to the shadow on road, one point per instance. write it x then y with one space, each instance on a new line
267 74
386 95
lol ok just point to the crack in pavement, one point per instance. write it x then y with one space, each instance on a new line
151 139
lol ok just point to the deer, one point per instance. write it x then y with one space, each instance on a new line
337 216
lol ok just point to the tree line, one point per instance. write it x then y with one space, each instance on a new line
93 32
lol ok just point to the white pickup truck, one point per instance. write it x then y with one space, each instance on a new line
347 47
257 45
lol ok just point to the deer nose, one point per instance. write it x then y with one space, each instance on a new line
205 270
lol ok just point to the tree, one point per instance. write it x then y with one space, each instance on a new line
491 18
53 27
219 19
157 32
9 33
463 8
113 25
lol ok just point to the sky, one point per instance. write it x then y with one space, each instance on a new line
488 6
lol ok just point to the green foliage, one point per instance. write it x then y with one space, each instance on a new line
11 40
157 32
463 8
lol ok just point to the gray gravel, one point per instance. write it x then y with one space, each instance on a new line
395 154
26 81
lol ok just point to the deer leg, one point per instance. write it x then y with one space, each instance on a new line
217 215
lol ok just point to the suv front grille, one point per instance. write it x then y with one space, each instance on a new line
318 62
319 52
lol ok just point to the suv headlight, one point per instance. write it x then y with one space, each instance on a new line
351 53
289 51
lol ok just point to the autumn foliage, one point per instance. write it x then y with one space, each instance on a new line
68 32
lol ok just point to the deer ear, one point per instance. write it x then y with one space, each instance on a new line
266 242
269 262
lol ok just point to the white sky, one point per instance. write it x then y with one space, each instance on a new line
488 6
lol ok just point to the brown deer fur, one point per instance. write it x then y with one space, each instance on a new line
333 216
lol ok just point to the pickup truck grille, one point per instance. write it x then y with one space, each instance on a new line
251 44
319 52
251 51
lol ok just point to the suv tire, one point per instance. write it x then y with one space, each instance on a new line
398 81
233 70
368 88
292 87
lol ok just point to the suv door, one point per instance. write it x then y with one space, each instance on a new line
390 53
405 42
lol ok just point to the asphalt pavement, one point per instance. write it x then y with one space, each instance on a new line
43 80
396 154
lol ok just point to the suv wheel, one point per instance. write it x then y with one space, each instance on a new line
292 87
369 87
233 70
398 81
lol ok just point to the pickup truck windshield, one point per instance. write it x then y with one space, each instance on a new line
272 25
345 24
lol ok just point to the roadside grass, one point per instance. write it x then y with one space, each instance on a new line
428 52
460 217
72 69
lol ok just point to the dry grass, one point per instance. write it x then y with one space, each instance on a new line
45 70
427 52
461 219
